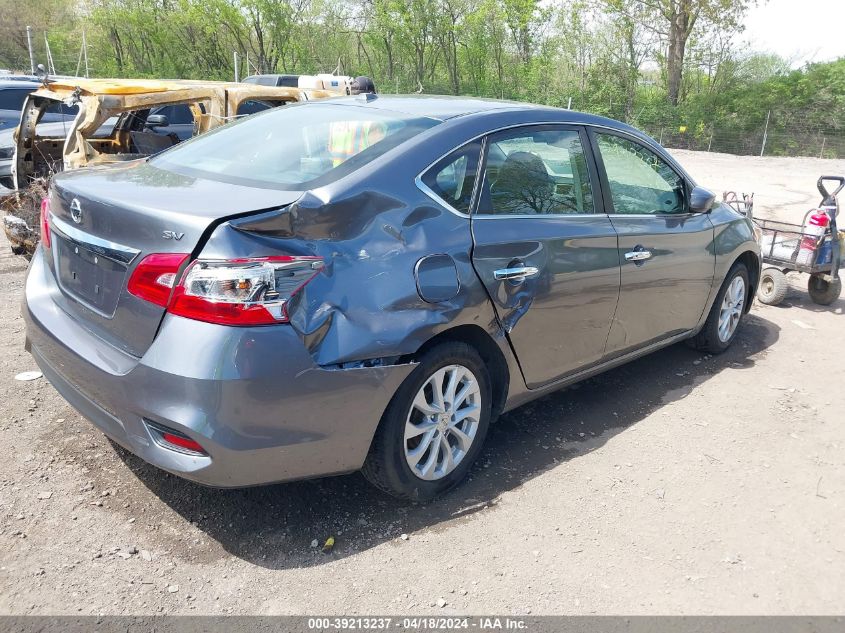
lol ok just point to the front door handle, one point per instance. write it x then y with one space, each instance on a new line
517 273
638 256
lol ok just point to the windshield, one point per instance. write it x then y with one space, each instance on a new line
295 147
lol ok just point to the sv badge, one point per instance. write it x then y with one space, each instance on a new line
172 235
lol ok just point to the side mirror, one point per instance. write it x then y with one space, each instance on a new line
701 200
157 120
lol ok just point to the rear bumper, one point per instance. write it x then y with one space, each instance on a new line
252 397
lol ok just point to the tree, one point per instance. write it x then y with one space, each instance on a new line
678 19
41 16
628 42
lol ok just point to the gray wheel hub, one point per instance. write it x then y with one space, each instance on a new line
442 423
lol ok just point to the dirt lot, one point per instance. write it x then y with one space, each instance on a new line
677 484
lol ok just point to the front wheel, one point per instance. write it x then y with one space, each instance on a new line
726 314
434 426
824 292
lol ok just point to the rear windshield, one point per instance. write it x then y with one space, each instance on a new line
295 147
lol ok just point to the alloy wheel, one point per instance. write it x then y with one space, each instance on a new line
443 422
733 304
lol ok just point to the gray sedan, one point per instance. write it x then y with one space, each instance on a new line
368 282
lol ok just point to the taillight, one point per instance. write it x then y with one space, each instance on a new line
252 291
154 277
45 221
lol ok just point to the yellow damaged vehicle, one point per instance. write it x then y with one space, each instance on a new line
122 120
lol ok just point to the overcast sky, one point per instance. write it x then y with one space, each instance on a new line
799 30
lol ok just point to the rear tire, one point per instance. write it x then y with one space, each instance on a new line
773 287
424 445
728 309
823 292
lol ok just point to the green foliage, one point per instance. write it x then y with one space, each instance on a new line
606 56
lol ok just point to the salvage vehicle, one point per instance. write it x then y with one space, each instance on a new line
368 282
151 116
211 103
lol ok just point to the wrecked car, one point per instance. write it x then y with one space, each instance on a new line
117 121
367 283
138 131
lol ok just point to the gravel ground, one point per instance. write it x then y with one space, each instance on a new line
679 483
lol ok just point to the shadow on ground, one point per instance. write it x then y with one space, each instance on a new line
272 526
797 296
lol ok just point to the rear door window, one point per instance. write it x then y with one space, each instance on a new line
536 171
452 179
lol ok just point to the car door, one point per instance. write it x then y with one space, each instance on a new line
666 252
544 250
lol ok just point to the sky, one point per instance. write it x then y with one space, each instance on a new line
799 30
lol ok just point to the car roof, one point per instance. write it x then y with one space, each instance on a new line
435 106
18 83
447 107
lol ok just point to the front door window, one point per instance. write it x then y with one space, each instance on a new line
640 181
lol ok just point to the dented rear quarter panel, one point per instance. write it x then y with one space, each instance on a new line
372 229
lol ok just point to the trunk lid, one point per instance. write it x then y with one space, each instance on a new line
106 220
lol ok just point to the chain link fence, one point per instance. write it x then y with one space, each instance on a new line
775 138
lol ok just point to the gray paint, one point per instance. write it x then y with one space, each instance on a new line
579 276
437 278
289 401
667 293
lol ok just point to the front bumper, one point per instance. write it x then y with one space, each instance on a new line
252 397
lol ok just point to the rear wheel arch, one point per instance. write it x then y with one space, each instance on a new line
476 337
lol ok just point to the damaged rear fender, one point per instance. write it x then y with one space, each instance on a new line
368 305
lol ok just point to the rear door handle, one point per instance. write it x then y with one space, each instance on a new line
517 273
638 256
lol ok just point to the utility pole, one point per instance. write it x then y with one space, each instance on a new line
29 46
569 104
51 67
85 48
765 133
78 61
237 74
